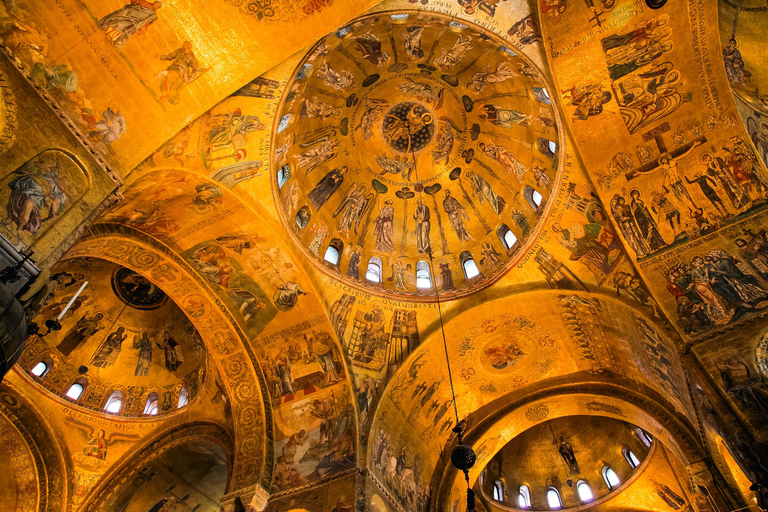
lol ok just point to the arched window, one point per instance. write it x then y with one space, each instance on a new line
524 497
533 197
115 402
40 369
152 404
542 95
284 122
333 252
373 274
631 457
498 491
644 437
75 391
585 491
507 237
552 146
283 174
423 279
610 478
553 499
183 397
469 265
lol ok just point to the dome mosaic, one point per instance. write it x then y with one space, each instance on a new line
122 344
405 133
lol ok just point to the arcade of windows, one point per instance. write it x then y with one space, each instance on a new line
583 488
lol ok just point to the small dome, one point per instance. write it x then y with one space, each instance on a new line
123 348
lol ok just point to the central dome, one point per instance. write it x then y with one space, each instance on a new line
406 133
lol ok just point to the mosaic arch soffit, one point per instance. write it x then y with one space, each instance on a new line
684 153
86 59
452 484
615 356
54 478
154 449
231 215
222 339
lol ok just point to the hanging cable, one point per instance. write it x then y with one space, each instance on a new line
462 456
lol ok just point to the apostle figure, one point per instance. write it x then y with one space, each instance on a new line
622 214
283 371
144 346
287 295
110 349
739 383
173 354
81 332
320 347
36 188
447 276
183 69
382 231
134 18
111 127
326 187
457 215
734 64
485 193
422 227
353 270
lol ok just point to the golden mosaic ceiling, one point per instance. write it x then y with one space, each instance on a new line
406 132
122 333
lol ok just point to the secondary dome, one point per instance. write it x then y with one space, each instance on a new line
122 340
406 132
581 458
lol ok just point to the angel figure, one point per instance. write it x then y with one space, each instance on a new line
412 43
338 80
319 154
313 108
370 46
450 58
505 158
394 165
482 79
353 207
97 442
422 91
373 109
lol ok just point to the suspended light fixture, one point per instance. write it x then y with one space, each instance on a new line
463 456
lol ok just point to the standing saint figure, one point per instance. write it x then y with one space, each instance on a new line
326 187
423 226
320 347
183 69
173 355
133 18
144 346
382 232
81 332
485 193
457 215
111 127
645 222
110 349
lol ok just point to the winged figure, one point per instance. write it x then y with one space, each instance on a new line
422 91
373 109
353 207
403 167
370 46
413 43
338 80
97 442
